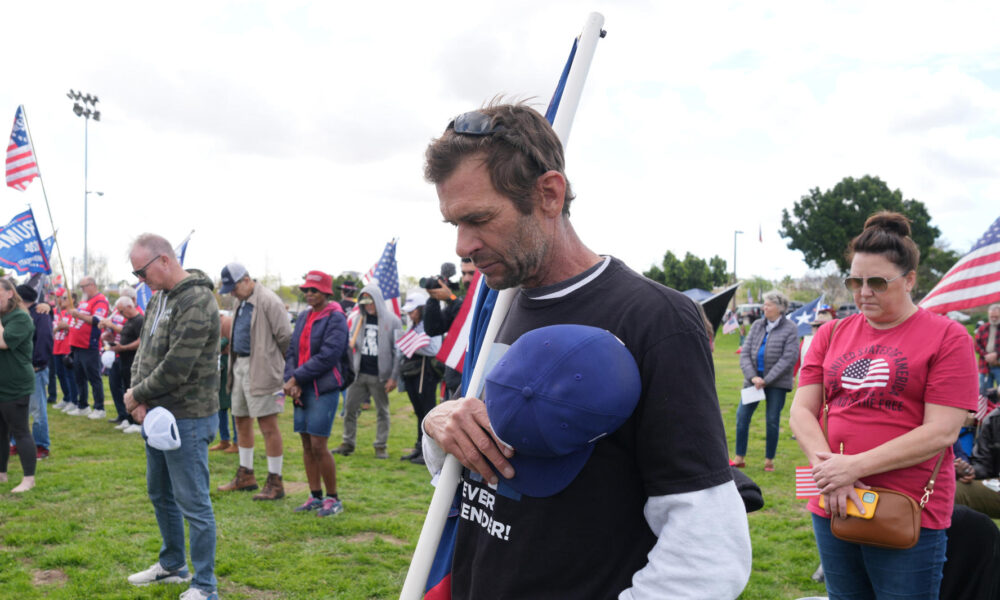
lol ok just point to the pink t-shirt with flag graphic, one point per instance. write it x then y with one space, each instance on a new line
877 383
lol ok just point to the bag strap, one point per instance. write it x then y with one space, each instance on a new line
929 488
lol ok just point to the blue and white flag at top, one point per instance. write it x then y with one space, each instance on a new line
804 316
21 247
142 291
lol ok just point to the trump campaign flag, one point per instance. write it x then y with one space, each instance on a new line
21 248
22 167
973 281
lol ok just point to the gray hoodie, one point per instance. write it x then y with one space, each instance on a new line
389 330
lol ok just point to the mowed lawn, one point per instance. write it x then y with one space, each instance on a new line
88 524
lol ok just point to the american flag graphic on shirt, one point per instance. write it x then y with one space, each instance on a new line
865 373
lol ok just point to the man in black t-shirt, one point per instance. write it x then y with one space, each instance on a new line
126 347
654 511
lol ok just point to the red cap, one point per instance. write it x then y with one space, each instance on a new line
319 280
60 292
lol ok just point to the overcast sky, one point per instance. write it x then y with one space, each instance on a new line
290 135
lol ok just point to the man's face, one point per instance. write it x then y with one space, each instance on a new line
243 288
507 246
88 287
370 306
468 272
995 315
156 271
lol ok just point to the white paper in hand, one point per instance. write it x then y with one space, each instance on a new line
751 394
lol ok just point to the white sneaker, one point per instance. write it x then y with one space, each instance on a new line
97 414
122 425
60 405
69 407
196 594
133 428
157 574
74 412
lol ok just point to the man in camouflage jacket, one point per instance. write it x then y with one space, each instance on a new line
176 368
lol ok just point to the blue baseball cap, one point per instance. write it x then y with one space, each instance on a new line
553 395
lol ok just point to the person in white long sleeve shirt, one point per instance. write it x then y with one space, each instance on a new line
654 512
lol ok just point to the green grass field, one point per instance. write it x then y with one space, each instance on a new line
88 524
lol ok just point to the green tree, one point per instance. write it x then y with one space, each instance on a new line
933 265
823 223
692 272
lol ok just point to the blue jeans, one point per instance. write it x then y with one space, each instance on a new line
856 572
66 377
316 414
177 481
39 409
989 379
775 398
223 416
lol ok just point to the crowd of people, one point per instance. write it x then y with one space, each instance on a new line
875 407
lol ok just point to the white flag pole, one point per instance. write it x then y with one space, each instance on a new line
448 480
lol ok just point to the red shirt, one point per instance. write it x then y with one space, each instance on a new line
80 331
877 382
60 337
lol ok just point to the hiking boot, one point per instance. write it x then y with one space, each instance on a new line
311 504
418 460
330 507
243 482
157 574
13 450
381 453
273 488
411 455
41 452
343 450
222 445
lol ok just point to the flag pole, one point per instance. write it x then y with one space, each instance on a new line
34 150
449 478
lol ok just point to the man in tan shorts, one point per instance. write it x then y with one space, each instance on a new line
260 337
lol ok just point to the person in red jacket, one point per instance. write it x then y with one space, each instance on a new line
84 342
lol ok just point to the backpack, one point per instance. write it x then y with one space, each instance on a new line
347 374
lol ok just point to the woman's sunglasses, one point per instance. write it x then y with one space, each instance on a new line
875 284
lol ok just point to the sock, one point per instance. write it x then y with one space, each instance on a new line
274 464
246 458
317 494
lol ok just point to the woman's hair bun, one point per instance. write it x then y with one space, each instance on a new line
890 222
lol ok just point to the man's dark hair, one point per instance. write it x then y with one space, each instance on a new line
523 147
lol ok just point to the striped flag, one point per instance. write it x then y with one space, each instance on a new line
452 351
865 373
21 164
731 324
411 341
973 281
983 408
805 485
388 277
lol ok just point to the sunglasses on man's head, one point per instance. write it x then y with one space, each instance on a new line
141 273
474 123
875 284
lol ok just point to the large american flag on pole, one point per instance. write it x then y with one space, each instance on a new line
973 281
452 351
21 164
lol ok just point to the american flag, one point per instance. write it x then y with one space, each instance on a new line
865 373
21 165
805 485
731 324
412 341
388 277
452 351
984 407
973 281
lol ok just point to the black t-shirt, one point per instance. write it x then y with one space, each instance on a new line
369 345
589 539
130 333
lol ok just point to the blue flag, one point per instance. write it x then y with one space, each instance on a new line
21 248
806 315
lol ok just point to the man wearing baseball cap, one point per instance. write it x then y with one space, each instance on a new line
650 510
261 333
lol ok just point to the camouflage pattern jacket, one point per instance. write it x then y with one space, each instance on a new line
177 364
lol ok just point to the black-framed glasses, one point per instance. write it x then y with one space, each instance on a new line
479 124
141 273
310 290
875 284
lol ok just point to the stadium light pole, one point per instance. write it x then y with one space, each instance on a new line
87 113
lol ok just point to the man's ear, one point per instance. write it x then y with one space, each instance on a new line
550 188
